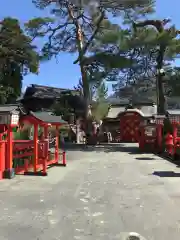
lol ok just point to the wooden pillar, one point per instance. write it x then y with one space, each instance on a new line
35 147
175 130
2 159
57 145
9 148
47 140
9 171
45 150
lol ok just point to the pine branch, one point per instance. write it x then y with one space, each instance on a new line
92 36
158 24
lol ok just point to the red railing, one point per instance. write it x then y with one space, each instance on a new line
23 153
24 157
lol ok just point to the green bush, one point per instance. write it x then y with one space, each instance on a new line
21 135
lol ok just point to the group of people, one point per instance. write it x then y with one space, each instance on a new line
97 131
102 133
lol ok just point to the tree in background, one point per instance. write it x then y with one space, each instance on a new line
153 50
100 106
121 57
98 93
17 57
73 27
149 44
167 47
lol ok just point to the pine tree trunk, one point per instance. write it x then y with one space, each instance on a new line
80 45
160 87
161 98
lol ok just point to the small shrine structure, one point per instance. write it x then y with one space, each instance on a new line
24 155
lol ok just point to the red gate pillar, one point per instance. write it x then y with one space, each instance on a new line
57 145
175 131
9 171
2 159
46 149
35 147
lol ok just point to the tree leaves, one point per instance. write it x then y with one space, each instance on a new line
110 61
17 57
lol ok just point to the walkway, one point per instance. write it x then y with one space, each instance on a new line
101 193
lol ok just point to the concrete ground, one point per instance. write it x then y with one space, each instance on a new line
101 194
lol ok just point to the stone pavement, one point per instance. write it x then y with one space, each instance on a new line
103 193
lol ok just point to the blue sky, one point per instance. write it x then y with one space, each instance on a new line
64 74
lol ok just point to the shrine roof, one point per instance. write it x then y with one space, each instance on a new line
40 91
115 111
48 118
9 108
173 111
115 101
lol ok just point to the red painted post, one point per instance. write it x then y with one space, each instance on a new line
44 166
175 130
2 159
35 147
9 171
26 165
9 148
46 149
57 145
64 158
1 135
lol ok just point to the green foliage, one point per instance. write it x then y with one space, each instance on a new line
100 110
75 26
101 92
68 103
109 61
100 106
172 81
62 108
17 57
142 45
21 135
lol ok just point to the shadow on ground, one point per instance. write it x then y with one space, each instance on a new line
170 159
120 147
145 158
166 174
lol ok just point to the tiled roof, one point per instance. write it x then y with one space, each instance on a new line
115 111
46 91
48 118
12 108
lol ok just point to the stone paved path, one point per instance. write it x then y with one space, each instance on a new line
101 194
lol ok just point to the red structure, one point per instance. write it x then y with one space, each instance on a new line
27 156
169 143
129 125
172 140
151 135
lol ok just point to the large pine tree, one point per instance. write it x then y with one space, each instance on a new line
74 25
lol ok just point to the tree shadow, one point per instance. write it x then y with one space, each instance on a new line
166 174
107 148
170 159
145 158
